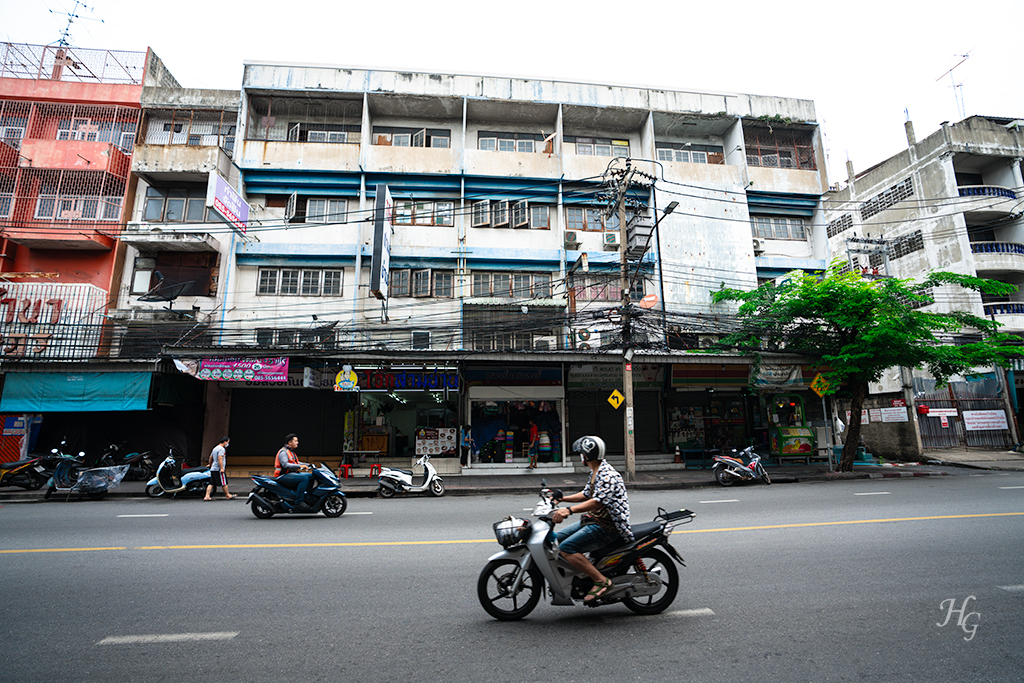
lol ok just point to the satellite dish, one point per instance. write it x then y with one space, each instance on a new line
167 292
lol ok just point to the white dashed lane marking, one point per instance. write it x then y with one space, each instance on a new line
699 612
1013 589
874 493
167 638
161 515
724 500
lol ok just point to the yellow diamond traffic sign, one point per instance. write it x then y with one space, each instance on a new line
820 385
616 399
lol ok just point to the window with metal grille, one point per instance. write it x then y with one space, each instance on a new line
600 147
299 282
844 222
512 285
773 147
173 267
690 152
411 137
884 200
778 227
490 141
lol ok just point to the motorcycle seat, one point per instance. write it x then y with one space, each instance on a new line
13 465
639 531
395 469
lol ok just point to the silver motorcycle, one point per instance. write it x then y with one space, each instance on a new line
643 574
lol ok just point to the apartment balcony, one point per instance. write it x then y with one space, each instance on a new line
434 160
512 164
188 237
74 155
1010 314
981 203
65 234
998 257
163 164
299 156
788 180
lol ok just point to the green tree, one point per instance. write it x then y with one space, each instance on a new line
855 328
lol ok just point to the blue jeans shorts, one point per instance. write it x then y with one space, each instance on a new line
577 538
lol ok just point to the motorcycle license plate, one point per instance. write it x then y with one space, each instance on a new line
39 469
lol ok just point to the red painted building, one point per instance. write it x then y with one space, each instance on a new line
68 122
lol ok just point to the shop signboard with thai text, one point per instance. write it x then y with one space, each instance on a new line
895 414
244 369
49 321
984 420
609 376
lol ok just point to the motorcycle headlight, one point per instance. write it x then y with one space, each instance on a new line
511 531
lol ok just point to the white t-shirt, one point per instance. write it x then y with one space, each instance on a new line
218 453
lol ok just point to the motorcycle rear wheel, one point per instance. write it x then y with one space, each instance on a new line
36 481
335 505
437 488
492 589
659 602
262 511
724 478
385 492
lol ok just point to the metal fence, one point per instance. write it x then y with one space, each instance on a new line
61 63
955 416
196 127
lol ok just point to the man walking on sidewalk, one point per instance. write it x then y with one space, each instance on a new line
219 470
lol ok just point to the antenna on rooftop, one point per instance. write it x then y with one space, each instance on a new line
65 35
958 94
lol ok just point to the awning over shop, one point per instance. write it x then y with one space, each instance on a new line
40 392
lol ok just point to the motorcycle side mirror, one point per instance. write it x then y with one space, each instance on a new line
556 493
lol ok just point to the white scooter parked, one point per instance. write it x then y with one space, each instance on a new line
394 480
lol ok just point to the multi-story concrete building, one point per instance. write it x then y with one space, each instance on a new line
948 202
68 123
504 258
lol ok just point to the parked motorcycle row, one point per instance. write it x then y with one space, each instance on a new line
64 472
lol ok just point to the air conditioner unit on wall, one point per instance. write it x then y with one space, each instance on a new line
611 241
758 247
572 239
136 226
587 340
706 340
545 343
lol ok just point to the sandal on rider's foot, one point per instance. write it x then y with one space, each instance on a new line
597 591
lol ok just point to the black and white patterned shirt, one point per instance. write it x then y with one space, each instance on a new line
607 487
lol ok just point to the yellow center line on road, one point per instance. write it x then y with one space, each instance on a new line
242 546
853 521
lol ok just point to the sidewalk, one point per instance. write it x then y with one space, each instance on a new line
933 463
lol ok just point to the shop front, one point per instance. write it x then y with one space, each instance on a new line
590 412
710 408
501 404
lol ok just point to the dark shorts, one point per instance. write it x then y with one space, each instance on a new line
217 478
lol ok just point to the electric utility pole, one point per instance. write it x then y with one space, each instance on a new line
627 351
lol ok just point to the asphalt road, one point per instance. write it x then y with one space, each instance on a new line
836 581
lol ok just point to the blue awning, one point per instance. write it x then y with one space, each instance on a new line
42 392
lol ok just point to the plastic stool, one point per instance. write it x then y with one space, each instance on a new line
374 471
345 471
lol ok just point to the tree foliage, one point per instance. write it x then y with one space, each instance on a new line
855 328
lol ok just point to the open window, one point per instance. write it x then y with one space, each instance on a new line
481 214
521 214
499 214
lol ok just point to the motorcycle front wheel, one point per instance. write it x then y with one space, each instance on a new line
763 474
437 488
494 589
724 478
154 491
335 505
657 562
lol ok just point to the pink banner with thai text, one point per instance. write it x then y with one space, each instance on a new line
244 369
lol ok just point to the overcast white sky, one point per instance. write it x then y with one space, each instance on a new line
862 63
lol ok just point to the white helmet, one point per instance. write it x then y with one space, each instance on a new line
590 448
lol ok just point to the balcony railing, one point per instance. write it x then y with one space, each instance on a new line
62 63
1005 308
986 191
997 248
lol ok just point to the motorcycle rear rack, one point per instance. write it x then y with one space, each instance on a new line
675 517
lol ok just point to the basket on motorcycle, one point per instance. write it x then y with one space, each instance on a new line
675 515
511 531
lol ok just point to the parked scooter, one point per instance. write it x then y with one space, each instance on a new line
393 480
71 476
731 469
140 465
271 497
28 474
644 577
173 479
